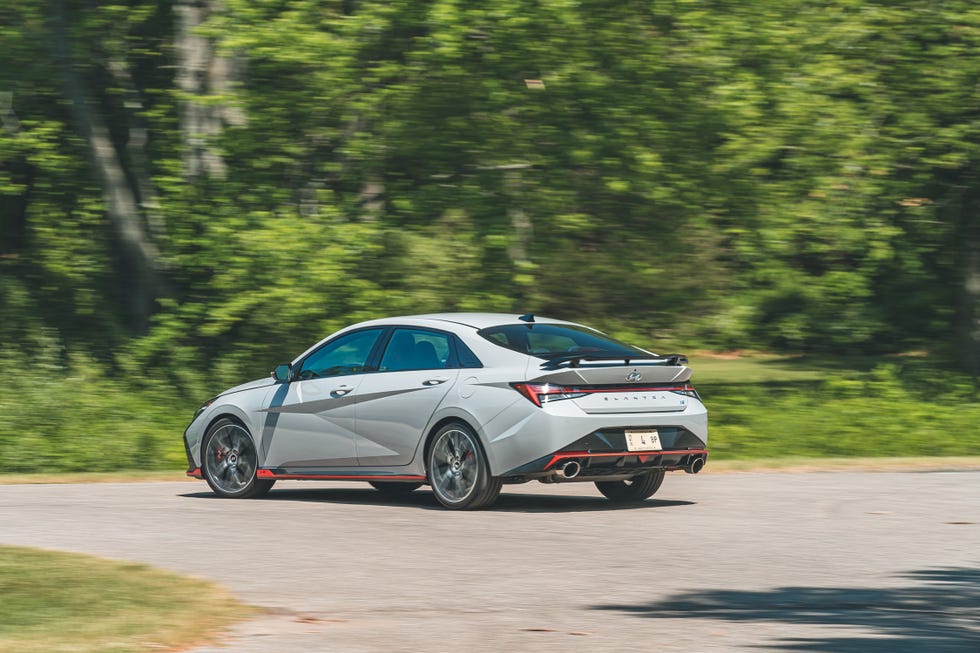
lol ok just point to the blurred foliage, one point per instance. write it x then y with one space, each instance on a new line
795 176
77 418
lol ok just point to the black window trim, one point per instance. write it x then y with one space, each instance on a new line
373 364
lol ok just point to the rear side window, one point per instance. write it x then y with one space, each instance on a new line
416 349
467 359
550 340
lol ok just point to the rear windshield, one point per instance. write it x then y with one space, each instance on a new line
552 340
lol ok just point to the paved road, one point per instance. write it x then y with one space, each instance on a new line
793 562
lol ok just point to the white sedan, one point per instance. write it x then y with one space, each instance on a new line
463 402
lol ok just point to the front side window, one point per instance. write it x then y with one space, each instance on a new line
551 340
348 354
416 349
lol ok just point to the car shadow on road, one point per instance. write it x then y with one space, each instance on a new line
939 610
425 500
563 503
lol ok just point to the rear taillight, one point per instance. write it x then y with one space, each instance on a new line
543 393
685 389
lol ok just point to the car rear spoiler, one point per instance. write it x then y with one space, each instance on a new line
573 360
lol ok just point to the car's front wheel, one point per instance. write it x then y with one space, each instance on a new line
230 462
637 488
458 469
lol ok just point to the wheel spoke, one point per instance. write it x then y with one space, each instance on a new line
442 451
447 476
459 490
222 440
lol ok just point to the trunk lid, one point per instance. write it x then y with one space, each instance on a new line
606 374
600 388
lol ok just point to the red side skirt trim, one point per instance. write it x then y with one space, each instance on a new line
195 473
268 473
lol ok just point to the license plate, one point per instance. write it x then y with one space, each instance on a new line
643 440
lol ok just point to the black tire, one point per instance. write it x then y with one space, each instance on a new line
458 470
637 488
395 488
229 462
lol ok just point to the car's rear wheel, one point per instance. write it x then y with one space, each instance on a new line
637 488
230 462
458 469
395 488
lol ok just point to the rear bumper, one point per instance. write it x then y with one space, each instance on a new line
604 453
593 465
523 433
669 460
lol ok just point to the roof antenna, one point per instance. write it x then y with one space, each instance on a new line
527 317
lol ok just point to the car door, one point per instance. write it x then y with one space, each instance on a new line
395 404
311 424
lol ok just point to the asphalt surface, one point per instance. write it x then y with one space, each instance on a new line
840 561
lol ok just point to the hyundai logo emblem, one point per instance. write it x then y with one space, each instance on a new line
633 376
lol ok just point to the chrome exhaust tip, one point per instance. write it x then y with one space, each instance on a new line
695 465
569 469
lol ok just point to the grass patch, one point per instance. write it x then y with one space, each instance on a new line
800 464
754 368
767 407
59 602
124 476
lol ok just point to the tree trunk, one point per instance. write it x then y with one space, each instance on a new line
139 162
970 309
141 257
520 223
13 208
201 73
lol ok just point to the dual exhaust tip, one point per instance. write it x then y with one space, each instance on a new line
695 465
569 469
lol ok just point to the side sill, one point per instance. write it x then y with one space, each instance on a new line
287 476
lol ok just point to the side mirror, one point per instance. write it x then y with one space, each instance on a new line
283 372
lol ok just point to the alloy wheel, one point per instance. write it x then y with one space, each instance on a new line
230 459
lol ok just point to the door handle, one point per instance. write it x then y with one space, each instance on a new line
435 381
341 391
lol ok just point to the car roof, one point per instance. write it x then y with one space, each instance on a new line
482 320
447 321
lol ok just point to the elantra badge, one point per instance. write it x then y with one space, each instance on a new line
633 376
